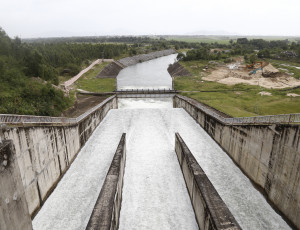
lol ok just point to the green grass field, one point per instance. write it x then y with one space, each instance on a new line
239 100
199 39
89 82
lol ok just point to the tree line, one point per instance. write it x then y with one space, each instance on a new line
250 49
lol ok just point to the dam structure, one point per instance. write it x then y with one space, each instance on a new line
160 162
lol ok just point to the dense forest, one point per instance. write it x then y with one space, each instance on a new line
29 71
136 41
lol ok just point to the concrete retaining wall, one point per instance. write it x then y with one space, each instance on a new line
268 154
14 213
106 213
210 210
177 70
129 61
45 149
113 69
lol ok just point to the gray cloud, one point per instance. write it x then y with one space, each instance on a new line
42 18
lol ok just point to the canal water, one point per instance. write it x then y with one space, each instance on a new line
147 75
154 191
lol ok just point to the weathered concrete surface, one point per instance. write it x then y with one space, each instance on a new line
106 213
210 210
14 213
113 69
44 151
177 70
268 155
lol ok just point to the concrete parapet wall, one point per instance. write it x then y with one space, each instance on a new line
14 213
268 154
106 213
46 147
210 210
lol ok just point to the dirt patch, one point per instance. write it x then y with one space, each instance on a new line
293 95
264 93
83 103
270 77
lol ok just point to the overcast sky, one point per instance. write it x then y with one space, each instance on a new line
51 18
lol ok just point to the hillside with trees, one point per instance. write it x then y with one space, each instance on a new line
29 72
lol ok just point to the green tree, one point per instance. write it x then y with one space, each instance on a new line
253 58
180 56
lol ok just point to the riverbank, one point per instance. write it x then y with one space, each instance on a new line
113 69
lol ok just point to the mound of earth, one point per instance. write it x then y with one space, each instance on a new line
271 71
270 77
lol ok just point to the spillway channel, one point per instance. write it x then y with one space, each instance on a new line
154 191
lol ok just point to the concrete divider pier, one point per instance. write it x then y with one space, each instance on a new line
210 210
14 214
106 213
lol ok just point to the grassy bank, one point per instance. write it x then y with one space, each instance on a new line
239 100
89 82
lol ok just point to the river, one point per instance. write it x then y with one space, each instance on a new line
147 75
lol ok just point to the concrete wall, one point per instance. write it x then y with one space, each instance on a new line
177 70
129 61
268 154
210 210
14 213
45 150
113 69
106 213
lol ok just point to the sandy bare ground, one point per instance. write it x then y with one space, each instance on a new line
264 93
276 80
293 95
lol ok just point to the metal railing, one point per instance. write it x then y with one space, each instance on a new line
269 119
145 93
